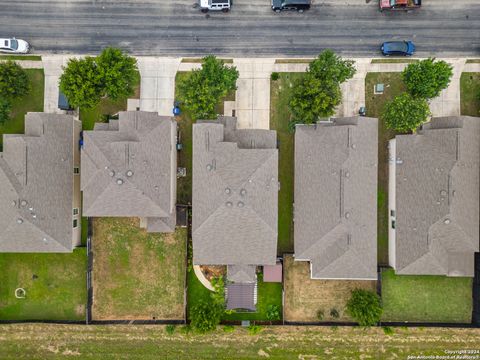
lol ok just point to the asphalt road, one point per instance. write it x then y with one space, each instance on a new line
448 28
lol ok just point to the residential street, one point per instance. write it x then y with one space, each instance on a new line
447 28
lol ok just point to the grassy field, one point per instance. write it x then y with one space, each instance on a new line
470 94
304 297
33 101
137 275
375 104
107 107
280 91
426 298
55 286
41 341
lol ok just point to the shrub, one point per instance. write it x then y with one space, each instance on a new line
334 313
405 113
273 312
275 76
185 329
320 315
388 330
5 108
427 78
205 316
228 328
254 329
14 81
170 329
365 307
218 296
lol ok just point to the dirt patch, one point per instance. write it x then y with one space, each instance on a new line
213 271
304 297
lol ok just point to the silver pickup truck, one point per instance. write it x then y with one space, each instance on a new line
215 5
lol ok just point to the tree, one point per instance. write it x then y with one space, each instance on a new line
364 306
405 113
14 81
118 72
81 82
317 93
206 315
204 88
427 78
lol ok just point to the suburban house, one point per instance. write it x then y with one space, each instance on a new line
235 203
335 219
40 186
434 198
129 169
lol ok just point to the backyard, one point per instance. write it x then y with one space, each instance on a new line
107 107
55 286
470 94
305 297
375 104
33 101
426 298
280 92
137 275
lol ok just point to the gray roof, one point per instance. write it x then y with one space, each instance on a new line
36 185
335 224
241 296
235 194
437 198
129 169
241 273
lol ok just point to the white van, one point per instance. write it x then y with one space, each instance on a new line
215 5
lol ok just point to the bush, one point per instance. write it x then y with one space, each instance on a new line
388 330
170 329
5 108
185 329
14 81
365 307
204 88
320 315
218 296
405 113
275 76
206 315
228 328
273 312
254 329
427 78
334 313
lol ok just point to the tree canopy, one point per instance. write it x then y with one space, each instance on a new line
365 307
427 78
85 81
405 113
317 93
205 87
206 315
13 80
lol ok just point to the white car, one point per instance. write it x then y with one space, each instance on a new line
14 46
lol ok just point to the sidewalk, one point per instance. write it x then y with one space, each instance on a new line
52 68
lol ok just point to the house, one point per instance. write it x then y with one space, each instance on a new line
40 186
129 169
434 198
235 202
335 220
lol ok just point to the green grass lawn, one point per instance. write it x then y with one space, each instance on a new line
107 107
470 94
33 101
426 298
394 61
280 92
137 275
375 104
55 286
21 57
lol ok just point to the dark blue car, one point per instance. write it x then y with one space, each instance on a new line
398 48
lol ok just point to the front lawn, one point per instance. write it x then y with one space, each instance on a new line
32 102
470 94
55 286
426 298
375 103
280 92
107 107
137 275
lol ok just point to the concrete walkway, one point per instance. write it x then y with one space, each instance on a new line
52 68
201 277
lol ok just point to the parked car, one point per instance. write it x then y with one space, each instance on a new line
215 5
400 48
297 5
14 46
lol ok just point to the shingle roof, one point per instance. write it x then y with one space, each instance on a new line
241 273
36 185
335 225
129 169
437 198
235 191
